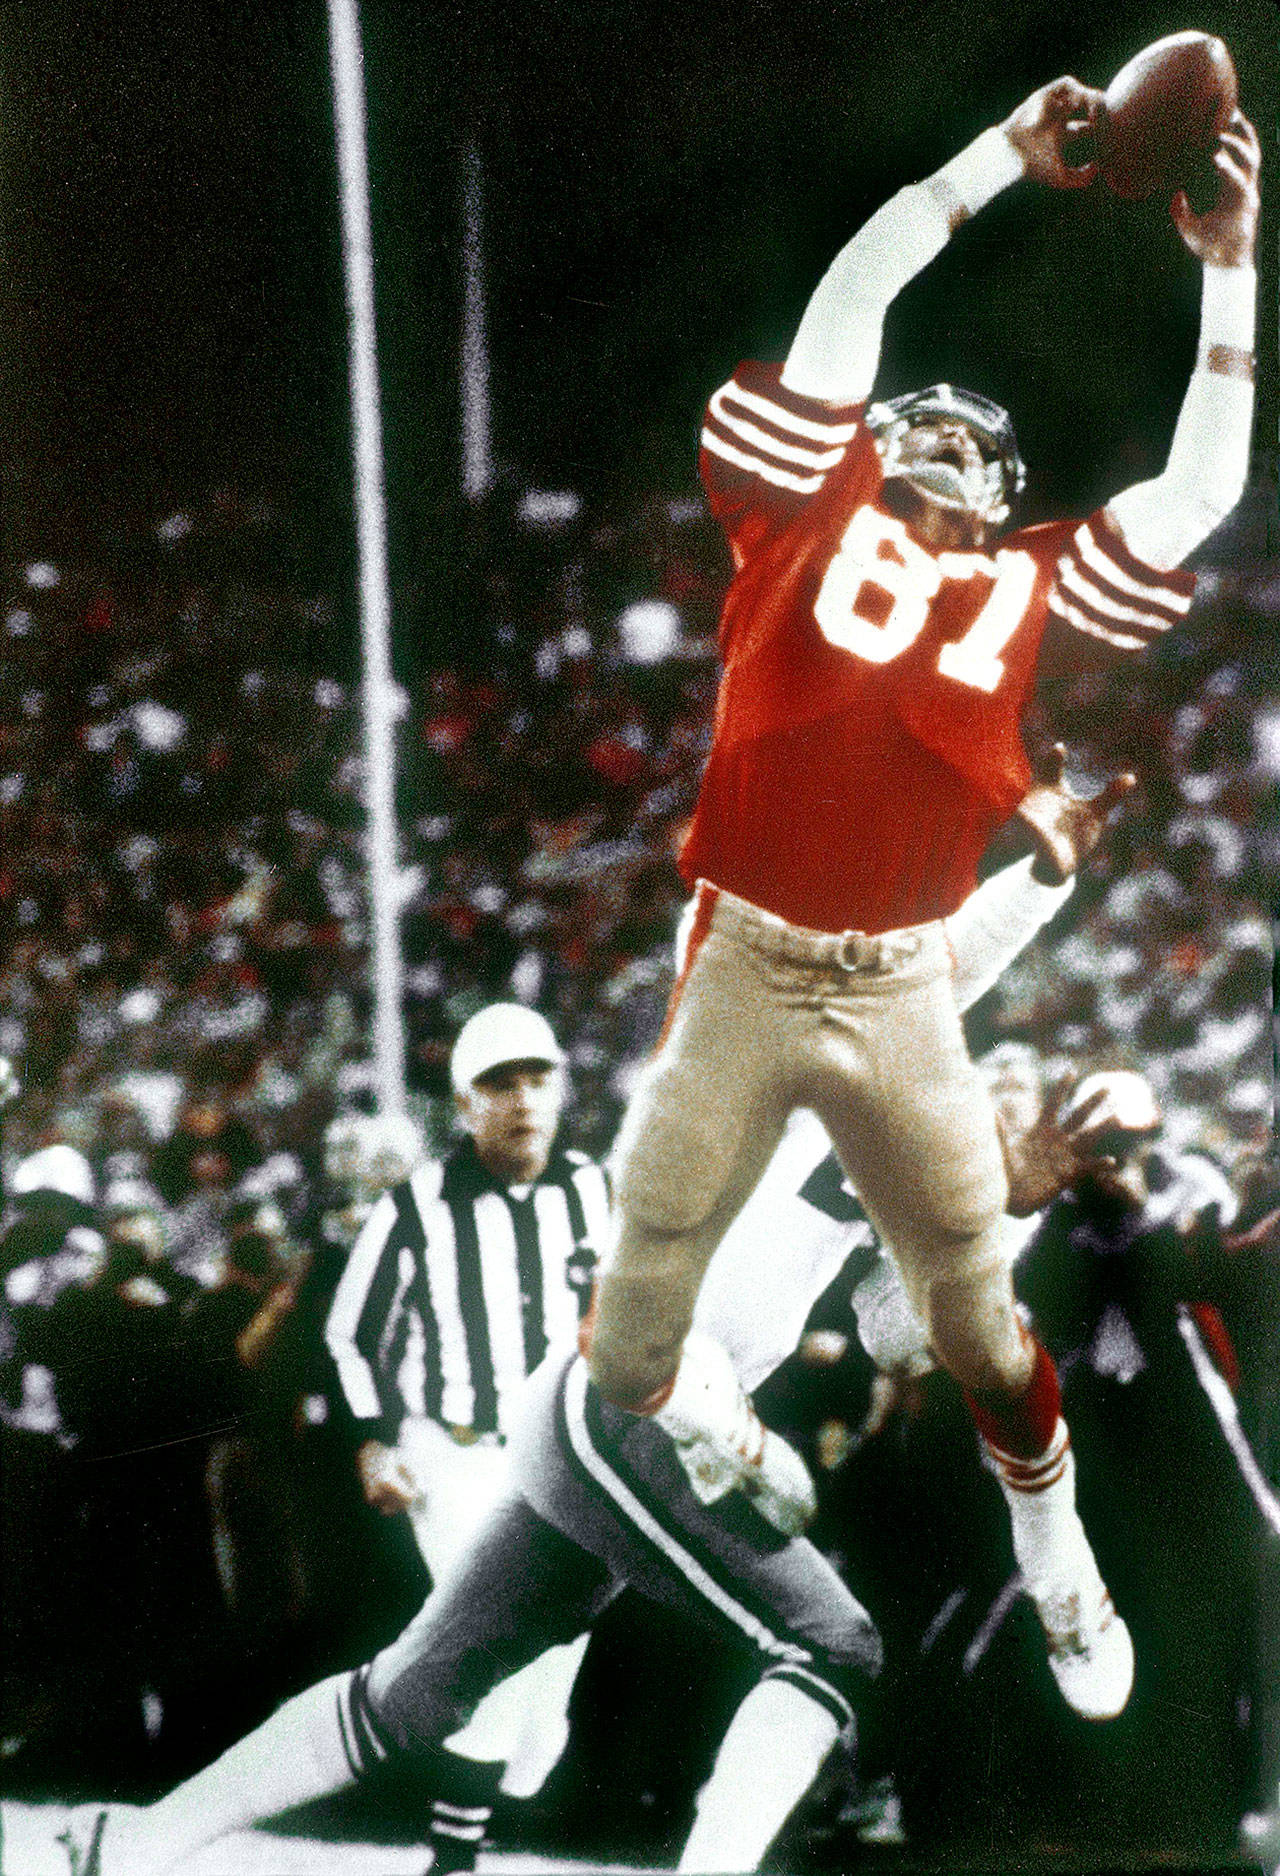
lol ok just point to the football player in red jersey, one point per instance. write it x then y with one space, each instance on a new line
880 639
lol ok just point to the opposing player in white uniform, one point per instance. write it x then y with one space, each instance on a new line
880 638
599 1498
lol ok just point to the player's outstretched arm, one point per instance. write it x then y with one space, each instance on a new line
1003 915
836 350
1161 521
1066 827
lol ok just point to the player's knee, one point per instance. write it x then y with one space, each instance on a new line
861 1658
979 1338
843 1672
631 1371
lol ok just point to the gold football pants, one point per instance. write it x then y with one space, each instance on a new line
767 1017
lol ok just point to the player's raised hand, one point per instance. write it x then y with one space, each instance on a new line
1092 1128
1226 233
1041 125
1066 827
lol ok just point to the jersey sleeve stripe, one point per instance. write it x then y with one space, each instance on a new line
1171 595
757 466
1073 616
810 428
1108 538
1095 599
370 1258
771 445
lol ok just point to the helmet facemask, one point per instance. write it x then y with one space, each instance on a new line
954 447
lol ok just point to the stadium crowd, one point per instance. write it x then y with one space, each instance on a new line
183 995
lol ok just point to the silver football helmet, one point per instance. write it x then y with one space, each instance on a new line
955 446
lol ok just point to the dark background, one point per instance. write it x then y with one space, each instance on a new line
665 183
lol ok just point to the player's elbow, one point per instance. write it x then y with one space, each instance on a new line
1202 516
1221 499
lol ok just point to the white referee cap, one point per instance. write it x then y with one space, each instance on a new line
501 1033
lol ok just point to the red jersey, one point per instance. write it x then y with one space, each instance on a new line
867 734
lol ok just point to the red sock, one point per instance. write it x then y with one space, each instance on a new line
1022 1425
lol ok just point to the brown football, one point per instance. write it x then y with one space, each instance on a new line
1162 113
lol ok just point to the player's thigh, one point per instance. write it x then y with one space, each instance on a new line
722 1564
651 1286
913 1123
519 1588
713 1084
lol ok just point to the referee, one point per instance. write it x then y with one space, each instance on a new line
460 1280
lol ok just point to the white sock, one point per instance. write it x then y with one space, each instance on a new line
296 1755
1041 1496
771 1754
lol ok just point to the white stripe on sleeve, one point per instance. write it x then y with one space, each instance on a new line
755 465
458 1399
1092 551
354 1372
555 1248
811 428
500 1283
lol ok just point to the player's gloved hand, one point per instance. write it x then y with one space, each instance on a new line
1064 826
1041 125
1226 234
386 1480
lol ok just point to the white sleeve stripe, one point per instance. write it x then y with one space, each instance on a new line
1093 596
1102 563
785 419
772 445
781 478
354 1285
1073 616
594 1194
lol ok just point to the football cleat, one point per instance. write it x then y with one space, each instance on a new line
954 446
723 1445
1090 1650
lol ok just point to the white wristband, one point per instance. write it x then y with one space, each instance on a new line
1227 299
982 169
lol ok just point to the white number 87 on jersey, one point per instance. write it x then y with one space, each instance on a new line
877 556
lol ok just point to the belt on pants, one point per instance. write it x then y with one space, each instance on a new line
852 951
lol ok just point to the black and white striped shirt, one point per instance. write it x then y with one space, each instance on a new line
458 1284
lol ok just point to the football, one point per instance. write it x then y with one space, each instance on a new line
1161 116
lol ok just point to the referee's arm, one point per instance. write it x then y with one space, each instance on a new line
359 1321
